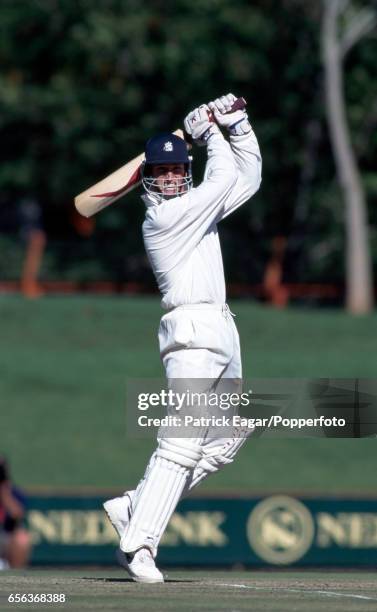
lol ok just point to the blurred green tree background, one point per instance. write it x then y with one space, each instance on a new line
83 84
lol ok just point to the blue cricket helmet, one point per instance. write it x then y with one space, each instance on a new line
166 148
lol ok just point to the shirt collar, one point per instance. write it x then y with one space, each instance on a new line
155 199
150 199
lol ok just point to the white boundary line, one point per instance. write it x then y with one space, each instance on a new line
290 590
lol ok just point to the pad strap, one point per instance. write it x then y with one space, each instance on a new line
182 452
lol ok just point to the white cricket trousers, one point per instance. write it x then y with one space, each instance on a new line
200 341
197 341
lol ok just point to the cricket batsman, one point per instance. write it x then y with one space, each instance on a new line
198 338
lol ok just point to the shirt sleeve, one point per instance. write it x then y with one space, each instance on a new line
248 163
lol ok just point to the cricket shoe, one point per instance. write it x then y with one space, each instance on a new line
118 511
141 566
138 570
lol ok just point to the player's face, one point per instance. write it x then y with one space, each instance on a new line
168 178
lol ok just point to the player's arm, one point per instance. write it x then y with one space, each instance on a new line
245 149
195 211
206 202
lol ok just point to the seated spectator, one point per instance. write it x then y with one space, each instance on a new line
15 541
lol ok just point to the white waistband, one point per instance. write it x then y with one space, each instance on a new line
204 306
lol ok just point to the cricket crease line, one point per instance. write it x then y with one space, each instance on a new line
289 590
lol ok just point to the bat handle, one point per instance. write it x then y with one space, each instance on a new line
238 104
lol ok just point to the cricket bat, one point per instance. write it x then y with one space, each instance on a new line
122 181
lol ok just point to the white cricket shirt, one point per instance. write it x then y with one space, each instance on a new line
180 234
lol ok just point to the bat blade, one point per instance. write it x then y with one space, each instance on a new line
113 187
110 189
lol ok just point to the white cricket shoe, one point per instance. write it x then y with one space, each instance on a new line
118 510
141 566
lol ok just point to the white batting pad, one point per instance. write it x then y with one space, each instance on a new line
160 492
216 454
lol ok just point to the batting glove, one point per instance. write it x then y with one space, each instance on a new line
198 125
237 123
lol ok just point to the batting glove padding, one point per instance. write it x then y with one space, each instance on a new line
237 123
198 125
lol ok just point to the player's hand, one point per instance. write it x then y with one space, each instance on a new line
198 125
237 123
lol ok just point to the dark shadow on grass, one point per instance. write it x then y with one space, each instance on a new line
167 580
89 579
171 580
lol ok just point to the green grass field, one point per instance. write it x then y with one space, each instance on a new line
199 590
64 363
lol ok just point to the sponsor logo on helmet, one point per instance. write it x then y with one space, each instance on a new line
168 146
